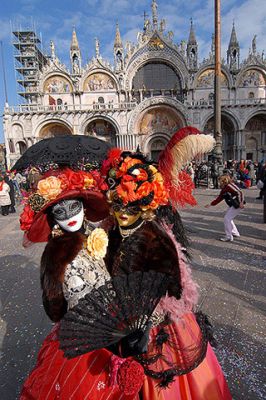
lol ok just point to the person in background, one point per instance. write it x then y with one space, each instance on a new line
9 182
215 173
261 182
246 179
4 196
234 198
251 172
190 171
12 176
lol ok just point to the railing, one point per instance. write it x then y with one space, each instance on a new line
226 102
103 107
97 107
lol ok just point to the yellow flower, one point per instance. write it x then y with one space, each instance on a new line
97 243
88 182
49 188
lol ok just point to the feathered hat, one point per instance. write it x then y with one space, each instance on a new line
184 146
137 182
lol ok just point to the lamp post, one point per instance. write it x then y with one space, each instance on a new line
217 84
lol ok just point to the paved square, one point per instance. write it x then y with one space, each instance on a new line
231 277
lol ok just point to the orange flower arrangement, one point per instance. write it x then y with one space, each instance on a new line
143 185
124 167
126 191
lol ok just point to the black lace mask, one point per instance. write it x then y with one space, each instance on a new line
66 209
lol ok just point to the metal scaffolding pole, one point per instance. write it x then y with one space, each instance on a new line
217 84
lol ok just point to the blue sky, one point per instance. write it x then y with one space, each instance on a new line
55 19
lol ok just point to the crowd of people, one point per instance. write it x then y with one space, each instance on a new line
245 173
10 191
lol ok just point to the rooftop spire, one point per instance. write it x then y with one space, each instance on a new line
52 48
233 38
74 41
154 7
192 36
118 41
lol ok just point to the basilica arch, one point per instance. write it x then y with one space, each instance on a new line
204 78
52 129
102 128
165 55
98 80
154 144
155 78
251 77
143 119
229 128
155 124
255 137
56 83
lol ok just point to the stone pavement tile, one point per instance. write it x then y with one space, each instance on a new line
14 269
232 290
22 315
231 278
15 365
242 363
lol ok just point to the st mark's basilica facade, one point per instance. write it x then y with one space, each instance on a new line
154 87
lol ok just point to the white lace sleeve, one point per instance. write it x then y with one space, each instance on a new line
82 275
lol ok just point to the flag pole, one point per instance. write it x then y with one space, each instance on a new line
217 84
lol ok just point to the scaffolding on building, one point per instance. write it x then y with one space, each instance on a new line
29 60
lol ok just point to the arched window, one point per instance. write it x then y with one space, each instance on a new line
59 102
101 100
11 146
251 95
157 77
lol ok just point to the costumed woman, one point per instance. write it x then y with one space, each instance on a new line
62 208
148 235
234 198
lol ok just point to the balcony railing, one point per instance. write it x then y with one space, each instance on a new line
107 107
226 103
96 107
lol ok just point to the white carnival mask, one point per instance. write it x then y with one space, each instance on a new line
69 214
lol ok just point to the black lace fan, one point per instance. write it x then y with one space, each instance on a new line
119 310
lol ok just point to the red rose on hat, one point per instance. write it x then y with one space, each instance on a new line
26 218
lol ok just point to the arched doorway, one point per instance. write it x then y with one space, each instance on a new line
157 145
155 126
228 136
251 149
255 137
22 147
102 129
54 129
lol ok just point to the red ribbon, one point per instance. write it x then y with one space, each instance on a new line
115 364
